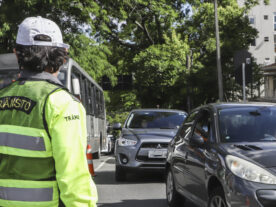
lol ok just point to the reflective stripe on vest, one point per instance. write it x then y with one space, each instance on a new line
22 141
26 194
21 193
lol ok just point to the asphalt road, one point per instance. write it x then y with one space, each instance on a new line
140 190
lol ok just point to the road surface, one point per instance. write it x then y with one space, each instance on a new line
140 190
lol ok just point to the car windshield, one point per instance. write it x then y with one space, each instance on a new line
155 119
7 77
250 124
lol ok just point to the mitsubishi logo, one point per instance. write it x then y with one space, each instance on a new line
159 146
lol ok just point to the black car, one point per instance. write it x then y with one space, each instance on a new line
224 155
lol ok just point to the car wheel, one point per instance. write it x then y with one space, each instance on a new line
120 173
174 199
217 198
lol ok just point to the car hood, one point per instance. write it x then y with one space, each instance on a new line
261 153
150 134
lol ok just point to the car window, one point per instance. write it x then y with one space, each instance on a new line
248 124
186 129
203 125
155 119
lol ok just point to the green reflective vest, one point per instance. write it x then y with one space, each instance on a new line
28 166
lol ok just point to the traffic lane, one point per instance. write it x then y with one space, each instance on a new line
141 189
100 161
145 190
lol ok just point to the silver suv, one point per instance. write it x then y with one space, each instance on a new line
144 140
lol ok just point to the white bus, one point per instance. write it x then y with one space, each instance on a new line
82 86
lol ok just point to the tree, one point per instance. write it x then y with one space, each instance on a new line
159 68
168 46
235 34
74 19
140 28
92 56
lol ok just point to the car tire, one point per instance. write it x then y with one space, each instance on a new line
174 199
217 198
120 174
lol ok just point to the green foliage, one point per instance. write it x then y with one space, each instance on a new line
74 19
93 57
117 117
168 46
159 67
122 103
235 34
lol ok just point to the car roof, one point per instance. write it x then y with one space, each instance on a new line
225 105
8 61
158 110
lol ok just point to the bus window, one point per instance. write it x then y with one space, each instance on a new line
88 98
83 92
62 76
76 76
101 105
91 99
97 103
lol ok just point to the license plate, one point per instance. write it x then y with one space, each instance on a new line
157 154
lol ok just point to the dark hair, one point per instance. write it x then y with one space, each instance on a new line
38 58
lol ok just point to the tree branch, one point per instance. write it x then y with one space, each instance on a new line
139 25
122 42
147 33
161 39
145 30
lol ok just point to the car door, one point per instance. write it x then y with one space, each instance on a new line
196 157
179 145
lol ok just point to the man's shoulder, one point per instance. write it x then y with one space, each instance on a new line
63 96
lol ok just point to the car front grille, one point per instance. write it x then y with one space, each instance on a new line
154 145
142 154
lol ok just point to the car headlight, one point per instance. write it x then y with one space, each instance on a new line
126 142
249 171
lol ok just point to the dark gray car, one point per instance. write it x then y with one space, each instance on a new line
224 155
144 140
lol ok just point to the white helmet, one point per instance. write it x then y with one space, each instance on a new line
39 31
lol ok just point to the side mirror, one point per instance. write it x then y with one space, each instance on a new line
117 126
197 140
76 86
